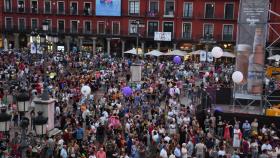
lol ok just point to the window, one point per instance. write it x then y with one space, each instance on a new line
208 30
168 27
34 6
74 8
227 32
50 24
8 23
21 6
188 9
152 28
47 6
116 28
134 7
8 5
21 24
169 8
34 24
101 27
87 8
60 7
209 10
187 30
87 27
74 26
154 6
61 26
229 7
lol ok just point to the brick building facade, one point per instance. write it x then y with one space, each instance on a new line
77 25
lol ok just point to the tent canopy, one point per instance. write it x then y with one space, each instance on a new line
155 53
134 52
177 53
228 55
274 57
225 54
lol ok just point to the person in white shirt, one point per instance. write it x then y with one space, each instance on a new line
63 152
177 151
266 146
163 153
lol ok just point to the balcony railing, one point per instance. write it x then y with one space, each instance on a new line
187 16
186 36
227 37
152 14
169 14
20 10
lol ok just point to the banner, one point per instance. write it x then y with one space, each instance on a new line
162 36
108 7
251 38
33 48
136 73
209 57
203 55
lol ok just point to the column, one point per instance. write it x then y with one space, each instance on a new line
123 47
143 47
174 46
16 40
93 45
28 38
108 45
81 38
54 49
158 46
67 38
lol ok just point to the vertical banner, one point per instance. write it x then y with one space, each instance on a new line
203 55
209 57
252 25
136 71
33 48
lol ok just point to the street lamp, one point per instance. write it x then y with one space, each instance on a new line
4 121
24 123
23 101
137 25
40 123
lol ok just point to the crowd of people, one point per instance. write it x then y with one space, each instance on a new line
157 120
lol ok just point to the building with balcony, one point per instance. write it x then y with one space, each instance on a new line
81 24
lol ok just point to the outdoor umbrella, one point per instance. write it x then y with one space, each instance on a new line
155 53
274 57
134 52
176 53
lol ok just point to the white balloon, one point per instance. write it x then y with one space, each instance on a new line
237 77
217 52
85 90
206 74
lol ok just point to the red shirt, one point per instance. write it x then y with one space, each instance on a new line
100 154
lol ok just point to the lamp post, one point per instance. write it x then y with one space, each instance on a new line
23 102
23 141
45 95
137 25
4 121
40 123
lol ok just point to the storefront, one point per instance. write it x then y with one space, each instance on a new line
22 40
87 45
